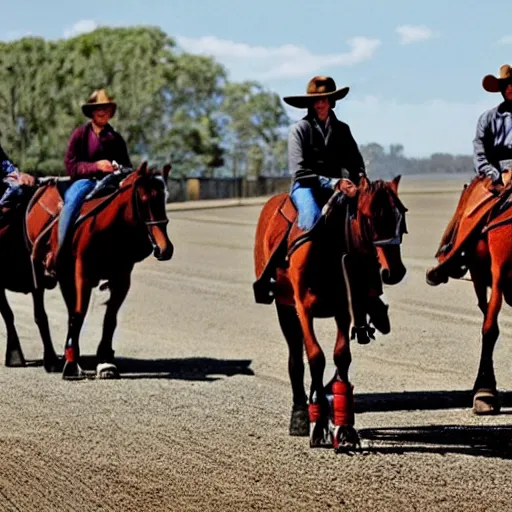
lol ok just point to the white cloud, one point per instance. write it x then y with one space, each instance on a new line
414 33
286 61
80 27
506 40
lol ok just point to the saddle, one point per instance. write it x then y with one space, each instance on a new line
283 237
44 208
477 206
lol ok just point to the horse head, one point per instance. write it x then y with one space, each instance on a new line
150 197
381 216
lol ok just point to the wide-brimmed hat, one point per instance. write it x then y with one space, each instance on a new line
98 98
318 87
491 83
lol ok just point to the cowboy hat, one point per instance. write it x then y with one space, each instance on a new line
318 87
491 83
98 98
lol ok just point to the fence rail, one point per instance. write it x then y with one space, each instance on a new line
190 189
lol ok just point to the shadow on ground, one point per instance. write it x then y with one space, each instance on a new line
191 368
483 441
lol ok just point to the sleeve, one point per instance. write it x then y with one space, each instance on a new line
6 166
296 162
75 167
482 164
354 160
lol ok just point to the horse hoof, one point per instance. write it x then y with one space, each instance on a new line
345 439
72 371
434 278
486 402
53 364
299 421
15 359
107 371
320 436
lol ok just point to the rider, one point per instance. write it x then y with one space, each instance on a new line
492 155
321 148
91 150
314 155
13 179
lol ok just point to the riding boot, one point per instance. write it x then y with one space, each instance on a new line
263 286
51 260
451 265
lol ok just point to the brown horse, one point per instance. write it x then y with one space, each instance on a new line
16 275
111 235
323 277
478 239
490 265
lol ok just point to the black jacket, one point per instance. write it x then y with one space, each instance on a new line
331 152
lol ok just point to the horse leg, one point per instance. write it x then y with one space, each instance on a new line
485 399
13 354
479 270
106 368
345 436
290 325
72 369
318 404
50 360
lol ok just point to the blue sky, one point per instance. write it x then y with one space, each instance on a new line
414 68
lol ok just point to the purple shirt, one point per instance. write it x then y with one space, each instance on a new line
85 148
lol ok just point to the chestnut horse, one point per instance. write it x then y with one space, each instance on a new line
111 235
320 282
490 265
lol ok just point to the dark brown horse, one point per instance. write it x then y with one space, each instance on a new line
322 278
112 234
16 275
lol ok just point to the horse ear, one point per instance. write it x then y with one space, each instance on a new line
364 182
143 168
394 183
166 170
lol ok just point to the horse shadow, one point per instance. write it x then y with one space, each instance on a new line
484 441
203 369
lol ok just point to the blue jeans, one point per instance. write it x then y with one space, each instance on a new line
73 200
309 203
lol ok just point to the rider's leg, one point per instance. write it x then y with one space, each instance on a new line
307 206
73 199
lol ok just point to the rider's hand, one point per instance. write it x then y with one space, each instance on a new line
105 166
347 187
27 179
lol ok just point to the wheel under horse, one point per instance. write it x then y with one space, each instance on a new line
323 274
479 239
112 233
